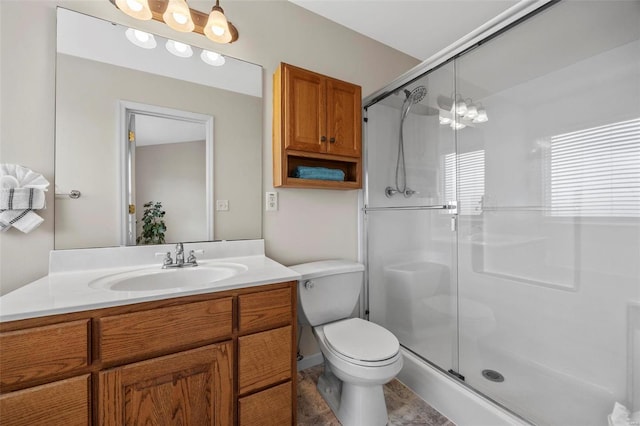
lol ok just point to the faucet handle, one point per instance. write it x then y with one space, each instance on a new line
167 258
192 255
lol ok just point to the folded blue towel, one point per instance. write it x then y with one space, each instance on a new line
322 173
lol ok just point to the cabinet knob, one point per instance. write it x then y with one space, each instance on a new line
323 138
332 140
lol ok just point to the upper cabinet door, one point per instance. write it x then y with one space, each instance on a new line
305 100
344 118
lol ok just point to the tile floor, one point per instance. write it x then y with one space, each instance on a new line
404 406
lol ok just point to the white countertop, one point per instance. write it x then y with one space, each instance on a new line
66 288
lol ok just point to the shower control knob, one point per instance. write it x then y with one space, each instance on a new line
308 284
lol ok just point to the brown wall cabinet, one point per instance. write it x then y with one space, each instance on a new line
317 122
219 359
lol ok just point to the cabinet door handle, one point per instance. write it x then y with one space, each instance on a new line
323 138
332 140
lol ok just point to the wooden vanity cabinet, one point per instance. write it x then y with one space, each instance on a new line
317 122
218 359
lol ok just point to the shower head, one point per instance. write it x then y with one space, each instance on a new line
416 95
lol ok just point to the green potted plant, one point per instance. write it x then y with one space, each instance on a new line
153 226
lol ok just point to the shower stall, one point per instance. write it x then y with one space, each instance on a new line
501 213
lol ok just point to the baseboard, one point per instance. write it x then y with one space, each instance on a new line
310 361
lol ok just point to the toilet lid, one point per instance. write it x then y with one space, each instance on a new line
361 340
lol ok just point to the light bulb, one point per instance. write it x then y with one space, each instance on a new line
217 27
457 126
472 112
179 49
461 108
481 117
212 58
134 5
140 38
138 9
178 16
445 120
217 30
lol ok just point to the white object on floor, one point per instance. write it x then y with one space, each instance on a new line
621 416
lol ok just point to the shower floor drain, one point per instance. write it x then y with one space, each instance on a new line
492 375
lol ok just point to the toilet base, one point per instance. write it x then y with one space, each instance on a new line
353 405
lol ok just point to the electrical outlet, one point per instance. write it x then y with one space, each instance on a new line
271 201
222 205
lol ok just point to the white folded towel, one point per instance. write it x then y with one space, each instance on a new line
21 199
21 191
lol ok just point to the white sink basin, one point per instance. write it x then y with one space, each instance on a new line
155 278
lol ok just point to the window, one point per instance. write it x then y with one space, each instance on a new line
469 178
596 172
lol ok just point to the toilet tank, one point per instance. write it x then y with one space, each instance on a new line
328 290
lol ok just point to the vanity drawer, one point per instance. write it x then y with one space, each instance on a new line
271 407
38 353
265 309
63 403
163 330
264 359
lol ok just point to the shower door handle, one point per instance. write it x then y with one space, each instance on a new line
452 207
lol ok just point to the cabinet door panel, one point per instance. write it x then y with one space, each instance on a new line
264 359
344 118
305 114
41 352
188 388
271 407
63 403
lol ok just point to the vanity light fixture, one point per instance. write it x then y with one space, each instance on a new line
138 9
177 15
179 49
459 113
212 58
140 38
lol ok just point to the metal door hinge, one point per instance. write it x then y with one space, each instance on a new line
132 208
132 136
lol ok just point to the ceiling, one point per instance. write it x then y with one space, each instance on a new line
419 28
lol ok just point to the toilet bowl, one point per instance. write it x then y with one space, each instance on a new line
360 356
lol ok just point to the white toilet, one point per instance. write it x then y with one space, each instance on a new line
360 356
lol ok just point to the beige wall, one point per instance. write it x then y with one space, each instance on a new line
174 174
311 224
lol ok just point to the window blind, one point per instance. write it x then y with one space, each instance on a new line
466 171
596 172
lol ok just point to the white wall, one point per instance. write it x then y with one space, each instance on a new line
310 224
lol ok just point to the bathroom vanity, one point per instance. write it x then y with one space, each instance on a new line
222 355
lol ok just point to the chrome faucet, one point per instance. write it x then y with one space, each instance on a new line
179 255
180 262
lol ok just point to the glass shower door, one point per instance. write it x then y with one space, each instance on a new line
549 235
410 220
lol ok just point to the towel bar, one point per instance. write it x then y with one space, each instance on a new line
74 193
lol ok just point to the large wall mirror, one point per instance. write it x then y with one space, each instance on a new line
139 120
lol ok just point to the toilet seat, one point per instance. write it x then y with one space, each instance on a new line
361 342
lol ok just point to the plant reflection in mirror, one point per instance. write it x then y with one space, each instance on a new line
153 227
